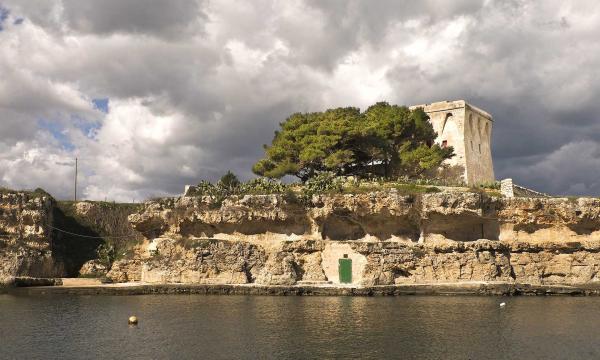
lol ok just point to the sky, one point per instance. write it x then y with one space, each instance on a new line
152 95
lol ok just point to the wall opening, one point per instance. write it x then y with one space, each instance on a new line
471 124
448 117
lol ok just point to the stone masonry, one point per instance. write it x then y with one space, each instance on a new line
468 130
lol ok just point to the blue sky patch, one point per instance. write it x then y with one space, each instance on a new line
18 21
88 128
4 12
101 104
58 132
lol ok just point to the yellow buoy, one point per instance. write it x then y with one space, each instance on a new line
133 320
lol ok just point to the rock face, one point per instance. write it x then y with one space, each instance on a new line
92 221
389 238
451 236
204 261
26 247
93 268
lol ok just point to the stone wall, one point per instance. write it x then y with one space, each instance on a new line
468 130
509 189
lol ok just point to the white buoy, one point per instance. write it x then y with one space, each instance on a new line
133 320
502 304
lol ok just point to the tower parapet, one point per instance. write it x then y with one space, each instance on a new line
468 130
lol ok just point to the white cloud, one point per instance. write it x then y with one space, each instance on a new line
195 88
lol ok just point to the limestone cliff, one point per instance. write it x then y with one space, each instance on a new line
391 238
450 236
26 246
103 234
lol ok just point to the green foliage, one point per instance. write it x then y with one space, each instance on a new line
311 143
291 197
386 140
204 188
38 192
106 254
262 186
495 185
323 183
229 183
423 158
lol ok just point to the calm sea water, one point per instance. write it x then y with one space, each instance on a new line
232 327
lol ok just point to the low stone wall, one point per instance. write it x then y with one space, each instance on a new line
510 189
496 289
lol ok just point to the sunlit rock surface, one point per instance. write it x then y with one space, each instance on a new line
390 238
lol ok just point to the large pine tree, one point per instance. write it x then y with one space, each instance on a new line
386 140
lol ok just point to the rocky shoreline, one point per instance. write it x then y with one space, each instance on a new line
471 288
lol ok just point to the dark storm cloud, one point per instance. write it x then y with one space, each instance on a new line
154 17
196 87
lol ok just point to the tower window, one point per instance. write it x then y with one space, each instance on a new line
479 145
444 143
472 148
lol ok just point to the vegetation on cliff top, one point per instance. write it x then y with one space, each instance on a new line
323 183
385 140
38 192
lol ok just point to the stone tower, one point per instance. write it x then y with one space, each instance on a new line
468 130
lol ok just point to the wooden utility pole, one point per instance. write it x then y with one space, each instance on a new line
75 179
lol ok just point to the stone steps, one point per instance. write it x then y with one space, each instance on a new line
314 282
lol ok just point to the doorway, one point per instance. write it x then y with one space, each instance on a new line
345 270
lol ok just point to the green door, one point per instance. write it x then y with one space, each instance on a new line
345 269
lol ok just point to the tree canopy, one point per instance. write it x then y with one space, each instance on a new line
384 140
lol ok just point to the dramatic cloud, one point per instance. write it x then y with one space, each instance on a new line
151 95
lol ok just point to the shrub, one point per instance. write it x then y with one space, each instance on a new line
494 185
204 188
291 198
228 184
325 182
262 186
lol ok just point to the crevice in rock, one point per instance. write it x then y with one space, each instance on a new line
462 228
341 226
531 228
585 227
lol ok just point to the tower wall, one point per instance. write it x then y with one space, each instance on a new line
468 130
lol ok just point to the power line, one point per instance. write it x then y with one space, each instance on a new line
91 237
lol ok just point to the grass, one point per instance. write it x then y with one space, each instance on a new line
485 191
402 188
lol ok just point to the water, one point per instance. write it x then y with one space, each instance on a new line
229 327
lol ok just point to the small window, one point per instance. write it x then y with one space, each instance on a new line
472 148
479 145
444 143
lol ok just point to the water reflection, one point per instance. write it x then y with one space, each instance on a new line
298 327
